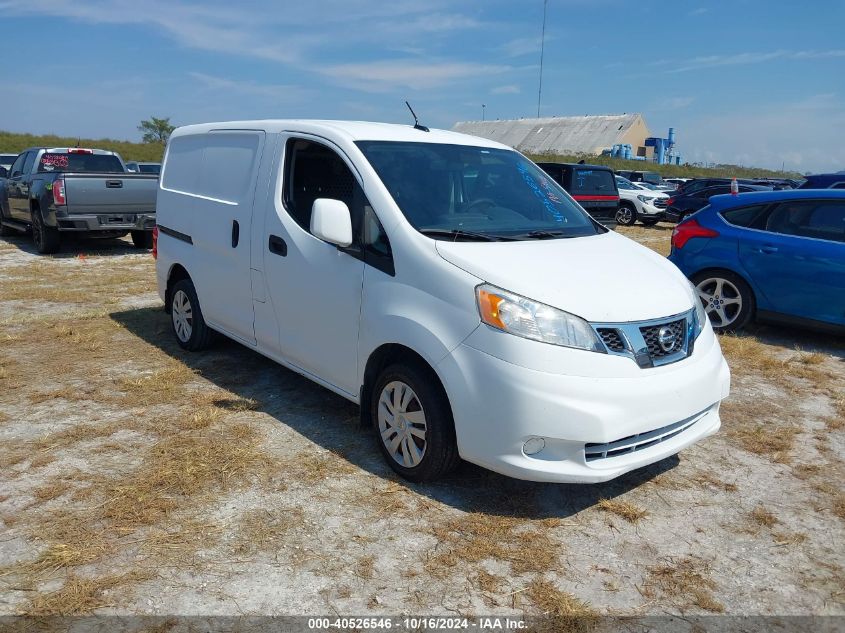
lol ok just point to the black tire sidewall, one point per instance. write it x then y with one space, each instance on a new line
746 314
441 454
142 239
200 332
634 215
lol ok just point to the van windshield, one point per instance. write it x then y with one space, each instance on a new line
475 193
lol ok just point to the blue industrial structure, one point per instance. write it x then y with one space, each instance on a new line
664 148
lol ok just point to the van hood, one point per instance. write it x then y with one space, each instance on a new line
603 278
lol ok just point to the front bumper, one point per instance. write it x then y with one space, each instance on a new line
650 211
499 405
110 222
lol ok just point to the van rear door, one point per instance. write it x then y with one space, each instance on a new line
213 178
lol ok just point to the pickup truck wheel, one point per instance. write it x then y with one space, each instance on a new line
142 239
626 215
413 423
46 238
189 327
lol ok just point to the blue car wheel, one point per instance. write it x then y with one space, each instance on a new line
727 299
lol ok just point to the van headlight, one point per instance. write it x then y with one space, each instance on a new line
700 316
533 320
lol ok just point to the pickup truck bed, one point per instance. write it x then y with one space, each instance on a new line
51 191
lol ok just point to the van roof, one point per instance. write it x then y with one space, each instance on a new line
351 130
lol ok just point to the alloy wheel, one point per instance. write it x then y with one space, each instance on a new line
721 299
183 316
625 216
402 424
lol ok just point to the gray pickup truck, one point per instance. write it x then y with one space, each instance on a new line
51 191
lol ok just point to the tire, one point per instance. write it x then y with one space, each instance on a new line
415 457
186 318
46 238
626 214
651 222
727 298
142 239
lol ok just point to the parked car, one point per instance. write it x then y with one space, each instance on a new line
680 205
55 190
593 186
824 181
773 256
434 279
641 176
143 168
6 161
636 203
675 182
697 184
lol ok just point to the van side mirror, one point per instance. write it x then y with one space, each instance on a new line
331 222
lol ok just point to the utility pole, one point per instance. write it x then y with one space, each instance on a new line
542 50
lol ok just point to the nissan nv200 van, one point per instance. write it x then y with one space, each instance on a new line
445 284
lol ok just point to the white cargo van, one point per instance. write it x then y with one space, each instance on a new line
445 284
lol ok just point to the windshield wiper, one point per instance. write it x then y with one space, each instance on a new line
460 233
543 235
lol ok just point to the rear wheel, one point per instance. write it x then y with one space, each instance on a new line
142 239
626 214
46 238
413 421
727 299
189 326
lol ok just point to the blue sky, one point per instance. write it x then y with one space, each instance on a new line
747 81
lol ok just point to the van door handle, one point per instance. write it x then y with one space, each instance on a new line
768 249
114 184
236 233
278 246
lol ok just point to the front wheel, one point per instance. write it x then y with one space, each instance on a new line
46 238
189 326
413 422
626 215
142 239
727 299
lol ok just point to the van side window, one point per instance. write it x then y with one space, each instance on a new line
315 171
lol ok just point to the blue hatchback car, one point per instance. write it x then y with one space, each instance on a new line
774 256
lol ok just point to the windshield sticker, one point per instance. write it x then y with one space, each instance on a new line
542 195
54 160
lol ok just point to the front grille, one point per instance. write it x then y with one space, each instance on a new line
640 441
612 339
651 335
660 203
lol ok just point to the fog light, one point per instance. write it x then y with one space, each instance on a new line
534 445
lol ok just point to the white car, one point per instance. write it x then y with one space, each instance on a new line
638 202
445 284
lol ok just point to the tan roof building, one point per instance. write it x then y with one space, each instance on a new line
564 135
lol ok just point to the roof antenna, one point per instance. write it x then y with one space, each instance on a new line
417 125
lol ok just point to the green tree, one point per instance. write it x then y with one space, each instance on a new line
156 130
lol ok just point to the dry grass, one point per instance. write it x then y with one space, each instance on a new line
623 509
162 385
365 567
487 582
82 595
263 530
684 582
564 611
708 480
755 429
50 490
525 545
761 516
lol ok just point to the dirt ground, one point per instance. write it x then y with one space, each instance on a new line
136 478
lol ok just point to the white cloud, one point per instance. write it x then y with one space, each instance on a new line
277 92
510 89
523 46
742 59
385 75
